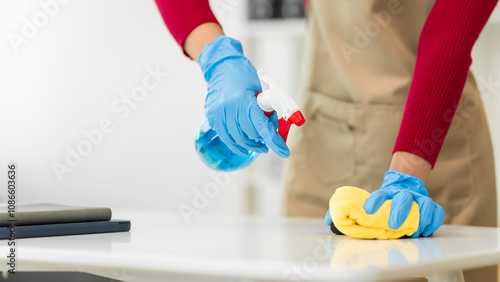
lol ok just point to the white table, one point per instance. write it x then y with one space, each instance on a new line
162 246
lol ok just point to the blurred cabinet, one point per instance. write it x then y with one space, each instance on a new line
275 9
274 44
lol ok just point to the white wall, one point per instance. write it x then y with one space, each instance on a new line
486 67
65 79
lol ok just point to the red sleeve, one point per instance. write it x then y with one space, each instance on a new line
443 61
182 16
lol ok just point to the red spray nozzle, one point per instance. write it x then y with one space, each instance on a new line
297 118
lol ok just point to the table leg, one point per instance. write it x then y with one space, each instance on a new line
452 276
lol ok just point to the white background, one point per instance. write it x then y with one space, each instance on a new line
87 54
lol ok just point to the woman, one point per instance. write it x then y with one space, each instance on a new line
383 76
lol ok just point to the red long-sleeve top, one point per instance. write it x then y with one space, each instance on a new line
443 61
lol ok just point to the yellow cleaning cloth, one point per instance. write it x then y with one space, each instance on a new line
348 215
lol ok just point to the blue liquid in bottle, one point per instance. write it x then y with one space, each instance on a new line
214 153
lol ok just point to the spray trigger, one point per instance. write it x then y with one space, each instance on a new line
275 98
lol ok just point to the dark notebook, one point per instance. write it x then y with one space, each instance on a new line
52 213
61 229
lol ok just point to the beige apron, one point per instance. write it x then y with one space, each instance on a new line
360 60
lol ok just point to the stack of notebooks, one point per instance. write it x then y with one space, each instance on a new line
43 220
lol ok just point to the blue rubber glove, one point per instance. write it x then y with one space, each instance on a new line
328 218
403 189
230 106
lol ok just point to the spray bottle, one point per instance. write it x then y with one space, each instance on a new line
214 153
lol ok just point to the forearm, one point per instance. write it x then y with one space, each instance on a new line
442 65
200 37
182 18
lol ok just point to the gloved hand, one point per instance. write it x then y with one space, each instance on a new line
403 189
230 106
